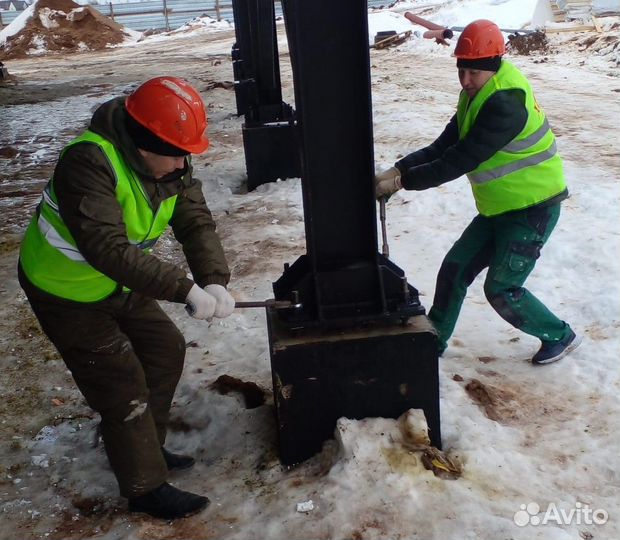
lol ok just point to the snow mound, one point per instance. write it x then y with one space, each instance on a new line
202 22
59 26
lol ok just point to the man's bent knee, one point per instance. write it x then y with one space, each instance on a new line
504 303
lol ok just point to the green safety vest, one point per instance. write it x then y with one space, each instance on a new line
525 172
49 255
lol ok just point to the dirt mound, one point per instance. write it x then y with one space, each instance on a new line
526 44
58 25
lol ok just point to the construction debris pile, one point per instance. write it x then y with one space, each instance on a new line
605 43
59 25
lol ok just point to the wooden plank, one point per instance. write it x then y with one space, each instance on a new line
597 25
395 39
580 28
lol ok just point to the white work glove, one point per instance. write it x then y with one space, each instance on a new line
225 302
387 182
200 304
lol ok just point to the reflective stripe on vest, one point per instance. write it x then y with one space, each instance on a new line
531 140
55 240
526 171
49 255
486 176
68 249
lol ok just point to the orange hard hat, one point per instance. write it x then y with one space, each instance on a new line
173 110
480 39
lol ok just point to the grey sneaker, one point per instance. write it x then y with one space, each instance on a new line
552 351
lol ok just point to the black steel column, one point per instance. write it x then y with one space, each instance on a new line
360 345
343 278
269 141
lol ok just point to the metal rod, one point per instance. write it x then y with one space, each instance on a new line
423 22
446 33
276 304
439 33
385 248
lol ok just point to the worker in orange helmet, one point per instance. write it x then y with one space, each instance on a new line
87 268
501 139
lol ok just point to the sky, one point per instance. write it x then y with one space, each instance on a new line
540 461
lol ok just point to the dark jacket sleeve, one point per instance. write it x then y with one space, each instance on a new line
499 121
194 227
84 187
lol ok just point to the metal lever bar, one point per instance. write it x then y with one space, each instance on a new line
276 304
385 248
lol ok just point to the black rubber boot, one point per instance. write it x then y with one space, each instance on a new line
177 461
168 502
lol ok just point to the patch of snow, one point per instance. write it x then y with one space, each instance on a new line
47 17
17 25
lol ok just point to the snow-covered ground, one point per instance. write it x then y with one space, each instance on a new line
539 446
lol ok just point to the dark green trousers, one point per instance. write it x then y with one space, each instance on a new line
509 246
126 357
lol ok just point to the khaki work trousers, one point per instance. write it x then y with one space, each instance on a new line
126 356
